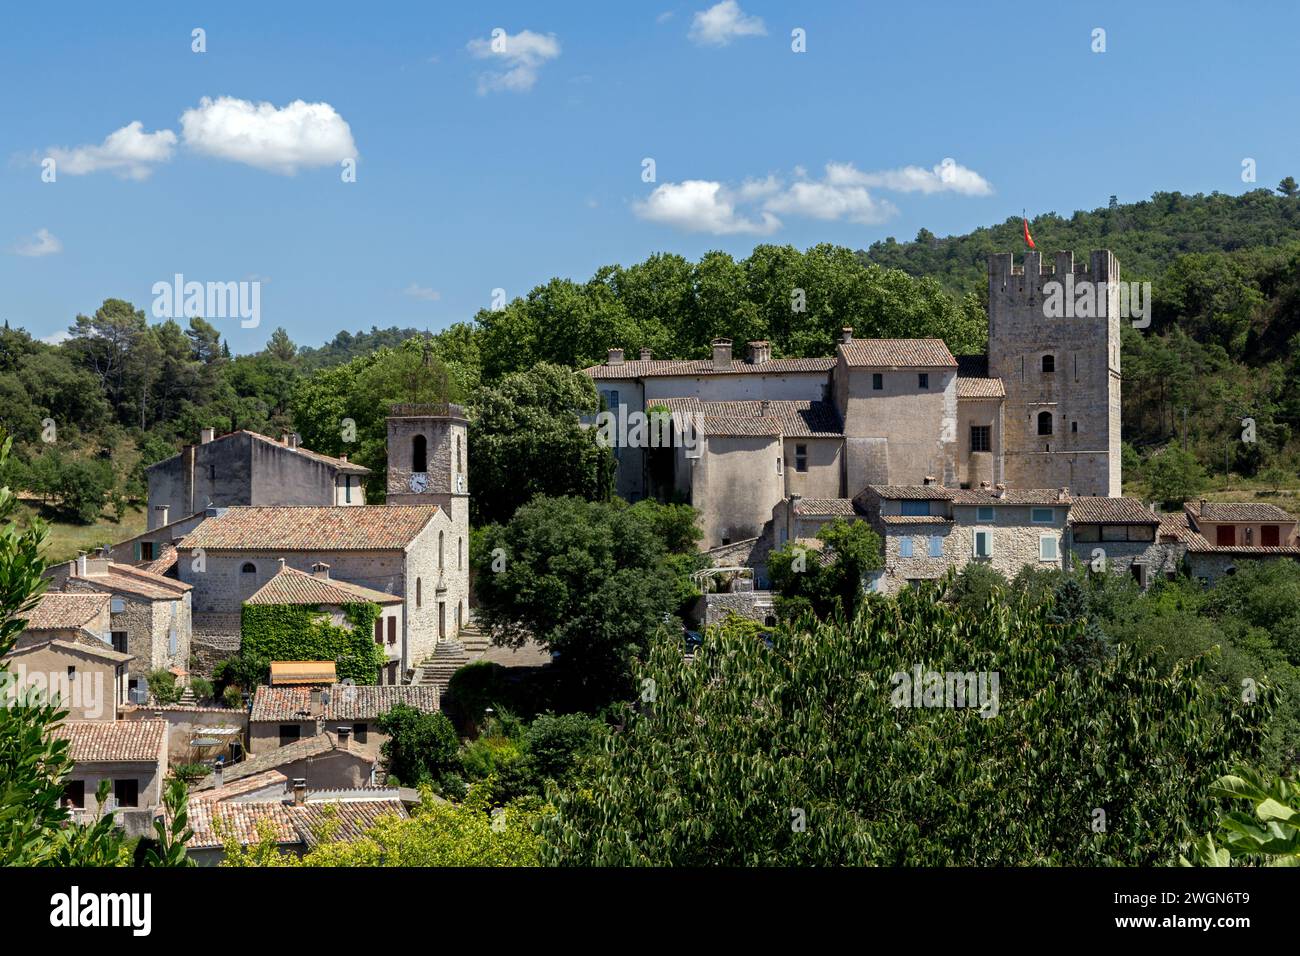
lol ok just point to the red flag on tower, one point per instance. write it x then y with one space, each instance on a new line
1028 238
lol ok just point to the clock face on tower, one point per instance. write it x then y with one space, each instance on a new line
419 482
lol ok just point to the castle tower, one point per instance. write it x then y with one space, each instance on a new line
1054 340
427 457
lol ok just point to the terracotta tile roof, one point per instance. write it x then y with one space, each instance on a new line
302 749
897 353
1238 511
660 368
245 785
58 610
137 582
912 492
291 586
791 418
303 672
114 741
165 561
1179 527
83 645
1094 510
340 820
824 506
980 388
345 702
1012 496
341 528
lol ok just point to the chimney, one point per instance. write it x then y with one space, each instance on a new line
928 480
721 354
81 564
758 352
299 791
206 435
999 490
284 438
1063 495
984 486
345 738
646 354
615 357
315 697
764 407
846 334
294 439
281 560
219 773
343 458
164 512
321 571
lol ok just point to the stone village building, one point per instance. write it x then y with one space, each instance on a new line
1039 410
149 614
1010 458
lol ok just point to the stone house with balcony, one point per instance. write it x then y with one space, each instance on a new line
1122 536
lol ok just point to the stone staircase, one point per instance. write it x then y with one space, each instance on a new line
474 639
436 670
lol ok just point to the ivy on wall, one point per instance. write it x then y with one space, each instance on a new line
301 632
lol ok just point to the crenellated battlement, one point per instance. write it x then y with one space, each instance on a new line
1028 279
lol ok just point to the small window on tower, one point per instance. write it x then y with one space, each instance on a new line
1044 423
1074 427
1049 364
419 454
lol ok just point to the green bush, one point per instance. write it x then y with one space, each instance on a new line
201 687
162 685
233 698
421 746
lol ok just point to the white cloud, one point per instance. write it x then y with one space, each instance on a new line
416 291
843 193
520 57
129 152
947 176
42 244
280 140
665 16
56 338
724 22
700 206
828 201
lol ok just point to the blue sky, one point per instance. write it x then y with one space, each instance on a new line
478 169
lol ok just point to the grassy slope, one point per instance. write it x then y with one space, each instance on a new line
65 539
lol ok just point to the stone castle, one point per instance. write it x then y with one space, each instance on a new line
1041 410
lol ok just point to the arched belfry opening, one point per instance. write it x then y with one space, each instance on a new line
419 453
